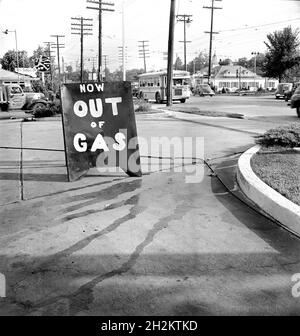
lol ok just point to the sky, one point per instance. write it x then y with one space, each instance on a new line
242 27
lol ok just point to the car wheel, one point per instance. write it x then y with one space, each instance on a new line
298 111
182 100
158 98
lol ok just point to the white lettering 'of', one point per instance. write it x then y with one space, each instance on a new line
96 112
80 108
114 102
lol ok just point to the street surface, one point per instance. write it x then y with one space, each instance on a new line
114 245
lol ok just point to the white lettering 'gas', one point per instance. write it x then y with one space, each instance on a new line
79 142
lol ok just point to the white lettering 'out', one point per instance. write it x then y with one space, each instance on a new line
96 112
114 102
80 108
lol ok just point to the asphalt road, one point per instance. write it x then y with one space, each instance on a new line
151 246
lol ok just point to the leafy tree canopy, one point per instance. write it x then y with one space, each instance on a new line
282 53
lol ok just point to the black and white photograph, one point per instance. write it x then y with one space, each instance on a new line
149 161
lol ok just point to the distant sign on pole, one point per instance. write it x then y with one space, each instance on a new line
42 63
99 128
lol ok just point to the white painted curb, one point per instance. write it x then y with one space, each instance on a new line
270 201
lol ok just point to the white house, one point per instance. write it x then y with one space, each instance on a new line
235 77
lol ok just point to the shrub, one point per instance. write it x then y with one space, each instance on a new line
143 106
284 136
43 112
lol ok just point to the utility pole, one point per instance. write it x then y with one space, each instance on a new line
211 32
170 52
100 9
48 44
144 52
58 46
123 40
185 18
122 56
255 53
17 52
105 64
81 29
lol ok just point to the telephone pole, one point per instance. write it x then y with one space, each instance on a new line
211 32
81 29
58 46
48 44
185 18
170 52
144 52
100 9
255 54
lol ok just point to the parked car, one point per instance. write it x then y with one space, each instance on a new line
288 94
282 87
204 90
295 101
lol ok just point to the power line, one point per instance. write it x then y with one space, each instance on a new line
81 29
100 7
211 32
144 52
58 46
185 18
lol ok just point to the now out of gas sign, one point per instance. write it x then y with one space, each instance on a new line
100 128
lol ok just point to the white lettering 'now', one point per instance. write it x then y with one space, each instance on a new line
91 87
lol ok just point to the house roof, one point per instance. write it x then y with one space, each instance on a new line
6 75
229 71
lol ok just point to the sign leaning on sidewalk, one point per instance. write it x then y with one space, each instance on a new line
99 128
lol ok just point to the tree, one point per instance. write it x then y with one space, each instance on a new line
243 62
198 63
226 61
178 65
9 60
282 53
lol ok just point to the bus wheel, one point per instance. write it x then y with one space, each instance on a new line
158 98
182 100
298 111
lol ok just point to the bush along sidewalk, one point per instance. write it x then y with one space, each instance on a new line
278 163
284 136
47 111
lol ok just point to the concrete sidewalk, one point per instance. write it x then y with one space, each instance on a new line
114 245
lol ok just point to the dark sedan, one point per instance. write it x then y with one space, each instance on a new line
295 101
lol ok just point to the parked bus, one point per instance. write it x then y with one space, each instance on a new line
153 86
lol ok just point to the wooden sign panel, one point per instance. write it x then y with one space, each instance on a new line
99 128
